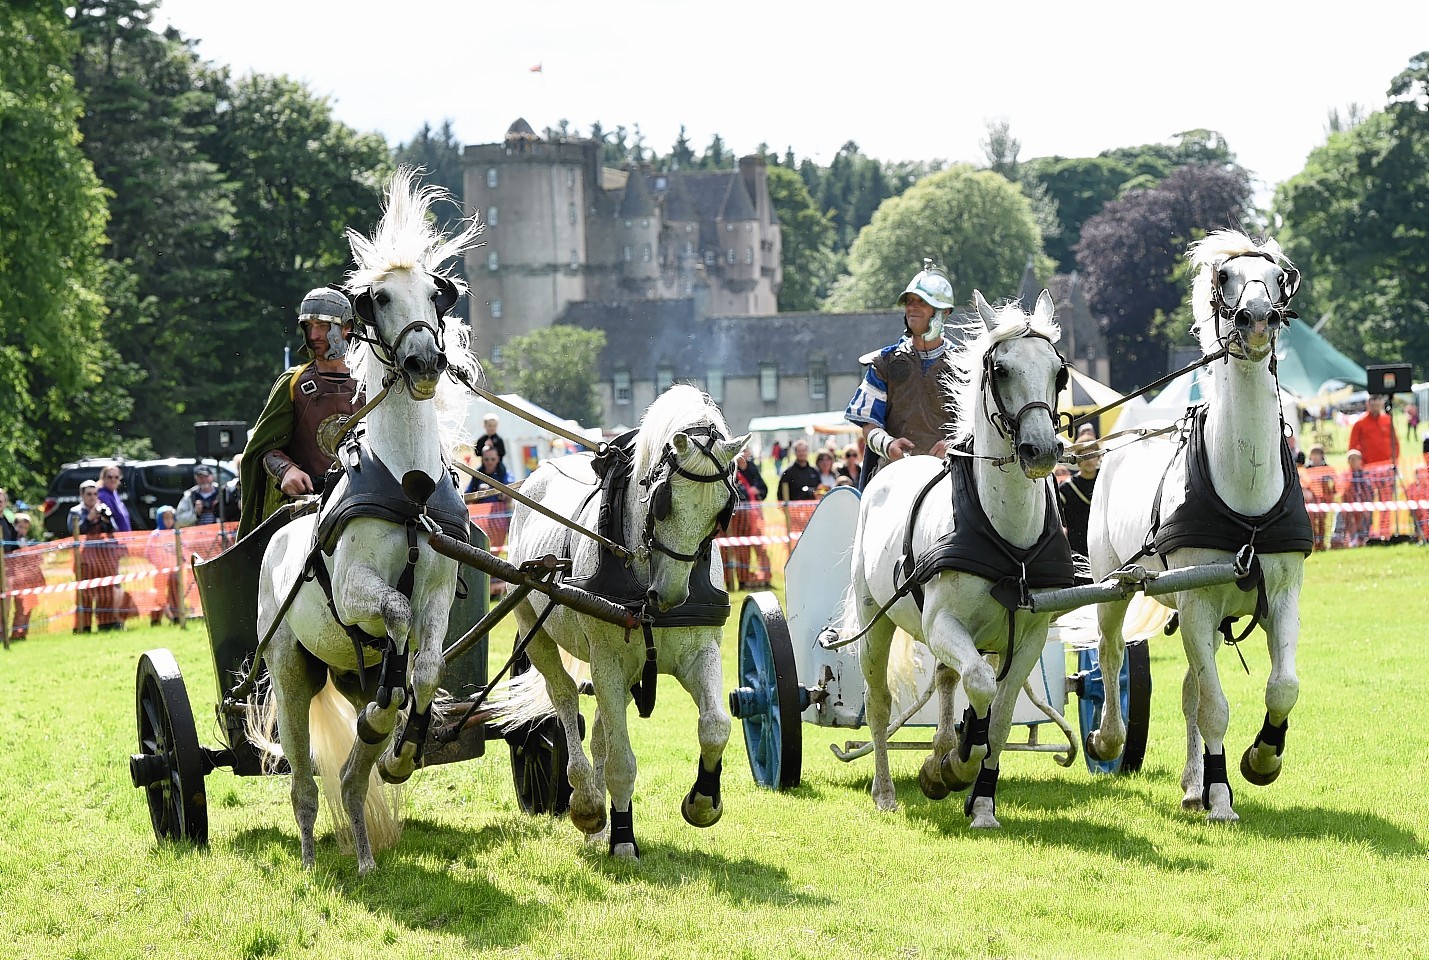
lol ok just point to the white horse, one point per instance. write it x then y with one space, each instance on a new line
367 632
1235 452
1005 401
678 491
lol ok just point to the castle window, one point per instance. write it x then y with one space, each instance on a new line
496 354
664 379
496 309
627 224
731 255
645 253
689 228
575 259
571 213
625 252
714 384
661 183
769 382
748 254
729 228
709 258
818 380
570 176
491 216
621 387
491 178
644 221
748 227
689 247
493 262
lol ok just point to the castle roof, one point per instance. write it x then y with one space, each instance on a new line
736 205
679 206
636 202
521 130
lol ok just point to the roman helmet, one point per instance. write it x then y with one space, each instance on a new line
932 286
331 306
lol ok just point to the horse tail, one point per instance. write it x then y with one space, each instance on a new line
260 724
903 660
332 726
525 698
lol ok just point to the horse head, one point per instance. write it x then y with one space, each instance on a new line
1241 293
401 315
402 303
1022 374
691 498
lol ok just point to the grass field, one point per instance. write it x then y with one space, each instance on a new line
1331 861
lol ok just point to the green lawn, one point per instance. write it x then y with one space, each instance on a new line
1330 861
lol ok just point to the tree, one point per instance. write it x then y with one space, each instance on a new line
170 213
975 223
716 156
556 368
300 178
807 238
52 275
438 154
682 156
1356 221
1129 254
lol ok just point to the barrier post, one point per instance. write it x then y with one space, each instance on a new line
179 572
4 599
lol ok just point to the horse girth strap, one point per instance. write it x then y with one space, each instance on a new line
643 690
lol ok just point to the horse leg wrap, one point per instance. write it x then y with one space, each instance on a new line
706 782
365 731
984 786
622 829
974 732
394 674
415 732
1214 771
1273 736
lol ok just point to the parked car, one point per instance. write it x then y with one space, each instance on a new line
146 486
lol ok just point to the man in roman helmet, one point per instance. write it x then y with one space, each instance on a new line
902 403
290 450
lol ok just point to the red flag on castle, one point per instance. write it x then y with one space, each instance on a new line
535 69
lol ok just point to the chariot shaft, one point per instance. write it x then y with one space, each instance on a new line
1123 584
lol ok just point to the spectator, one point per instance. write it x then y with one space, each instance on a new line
24 573
777 452
1074 497
496 506
902 402
798 484
491 439
109 478
1318 481
851 469
92 523
492 466
1360 491
1374 437
163 553
1418 493
7 523
1411 421
284 457
747 565
200 504
827 478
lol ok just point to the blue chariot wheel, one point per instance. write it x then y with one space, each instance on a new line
1135 705
767 701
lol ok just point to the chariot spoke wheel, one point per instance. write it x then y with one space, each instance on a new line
538 767
1135 705
767 700
170 765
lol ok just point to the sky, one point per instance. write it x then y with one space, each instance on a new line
908 81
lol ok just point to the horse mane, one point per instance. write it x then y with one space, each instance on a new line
407 238
676 409
1206 255
966 382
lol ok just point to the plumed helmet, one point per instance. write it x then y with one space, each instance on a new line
932 285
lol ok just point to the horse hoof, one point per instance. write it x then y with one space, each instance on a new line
933 789
988 822
699 811
1224 816
589 825
1252 775
1093 753
1192 804
625 851
391 774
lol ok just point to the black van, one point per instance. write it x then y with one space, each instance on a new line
146 486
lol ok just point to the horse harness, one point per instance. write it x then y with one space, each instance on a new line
614 579
1203 519
373 492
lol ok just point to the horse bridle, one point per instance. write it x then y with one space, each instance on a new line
1281 314
364 328
660 497
1009 425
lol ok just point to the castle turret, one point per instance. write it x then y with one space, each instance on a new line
639 232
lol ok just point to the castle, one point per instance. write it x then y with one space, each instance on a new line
562 229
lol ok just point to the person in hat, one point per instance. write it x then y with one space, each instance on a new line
902 403
200 502
92 523
287 454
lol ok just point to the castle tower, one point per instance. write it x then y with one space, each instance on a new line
638 229
533 196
